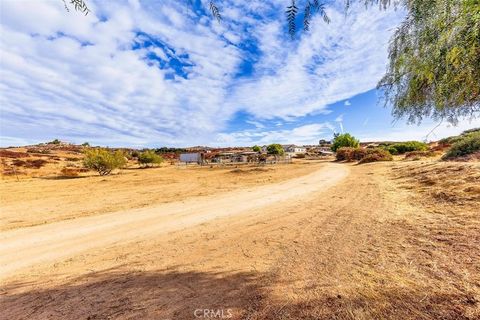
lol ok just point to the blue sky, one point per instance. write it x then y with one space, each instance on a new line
156 73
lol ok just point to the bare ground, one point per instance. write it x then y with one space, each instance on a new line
374 244
50 198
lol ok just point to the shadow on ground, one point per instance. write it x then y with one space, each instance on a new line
135 295
185 295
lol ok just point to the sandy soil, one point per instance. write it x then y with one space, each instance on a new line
35 201
339 242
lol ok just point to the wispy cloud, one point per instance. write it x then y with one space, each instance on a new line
305 134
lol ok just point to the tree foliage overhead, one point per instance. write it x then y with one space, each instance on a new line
79 5
434 61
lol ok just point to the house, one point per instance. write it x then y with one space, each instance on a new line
293 149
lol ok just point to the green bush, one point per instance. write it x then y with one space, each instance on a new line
149 157
391 149
256 148
453 139
469 131
402 147
470 143
344 140
275 149
103 160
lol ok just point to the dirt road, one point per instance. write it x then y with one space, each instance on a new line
49 243
344 242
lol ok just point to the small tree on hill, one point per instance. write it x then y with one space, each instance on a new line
275 149
256 148
103 160
344 140
149 157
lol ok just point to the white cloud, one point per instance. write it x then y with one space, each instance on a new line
305 134
414 132
104 91
331 63
77 78
347 103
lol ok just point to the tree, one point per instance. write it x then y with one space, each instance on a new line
344 140
149 157
85 144
103 160
434 66
56 141
275 149
256 148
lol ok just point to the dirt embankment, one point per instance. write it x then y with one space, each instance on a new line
373 246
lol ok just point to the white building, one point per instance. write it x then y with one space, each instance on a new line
293 149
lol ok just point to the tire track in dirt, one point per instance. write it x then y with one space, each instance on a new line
21 248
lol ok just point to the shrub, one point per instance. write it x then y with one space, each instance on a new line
344 140
85 144
18 163
416 155
300 156
376 154
469 144
134 154
359 153
402 147
149 157
391 149
275 149
453 139
13 154
103 161
363 155
351 154
344 154
256 148
469 131
36 164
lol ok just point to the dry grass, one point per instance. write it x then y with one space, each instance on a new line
452 184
